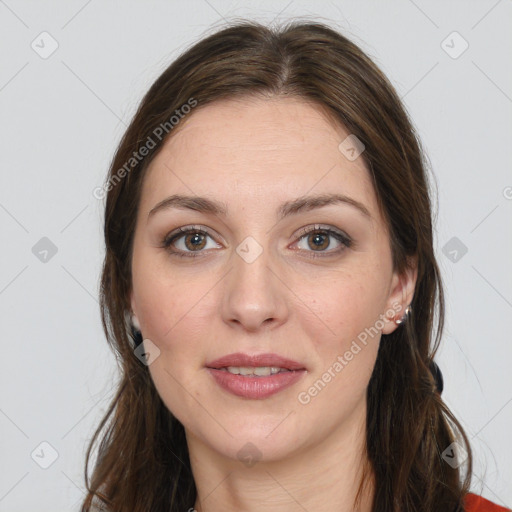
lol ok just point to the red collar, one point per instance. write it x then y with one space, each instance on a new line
474 503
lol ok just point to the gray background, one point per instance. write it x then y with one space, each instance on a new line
61 118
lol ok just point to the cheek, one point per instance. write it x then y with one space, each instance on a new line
174 310
341 319
338 308
175 314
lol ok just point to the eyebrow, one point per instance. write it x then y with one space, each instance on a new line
301 204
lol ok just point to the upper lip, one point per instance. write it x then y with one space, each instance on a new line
246 360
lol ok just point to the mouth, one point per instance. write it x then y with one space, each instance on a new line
266 364
253 371
256 376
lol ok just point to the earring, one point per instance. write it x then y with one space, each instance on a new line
408 309
135 328
135 322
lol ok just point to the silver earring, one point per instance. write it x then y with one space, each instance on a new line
135 322
404 317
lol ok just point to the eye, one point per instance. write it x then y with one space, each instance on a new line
187 240
317 239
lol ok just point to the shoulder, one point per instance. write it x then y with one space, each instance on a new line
474 503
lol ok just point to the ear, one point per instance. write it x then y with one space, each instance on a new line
401 295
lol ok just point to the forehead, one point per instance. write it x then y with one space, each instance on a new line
262 148
257 125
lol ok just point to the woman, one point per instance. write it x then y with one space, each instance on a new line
270 286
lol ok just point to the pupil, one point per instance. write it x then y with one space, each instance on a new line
196 241
320 240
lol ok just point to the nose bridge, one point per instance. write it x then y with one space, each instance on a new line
253 294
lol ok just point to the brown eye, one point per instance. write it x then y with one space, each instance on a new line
324 242
195 241
187 241
318 240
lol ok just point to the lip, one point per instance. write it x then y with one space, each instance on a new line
241 359
256 388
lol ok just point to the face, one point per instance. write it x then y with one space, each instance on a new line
269 261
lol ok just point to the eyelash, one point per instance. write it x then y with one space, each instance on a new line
345 240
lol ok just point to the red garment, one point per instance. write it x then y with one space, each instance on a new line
474 503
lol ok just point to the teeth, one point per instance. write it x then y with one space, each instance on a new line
259 371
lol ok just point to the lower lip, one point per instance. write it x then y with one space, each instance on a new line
255 387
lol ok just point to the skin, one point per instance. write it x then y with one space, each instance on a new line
253 155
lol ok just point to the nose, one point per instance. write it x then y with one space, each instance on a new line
255 294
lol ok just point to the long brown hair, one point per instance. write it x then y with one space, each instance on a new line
142 459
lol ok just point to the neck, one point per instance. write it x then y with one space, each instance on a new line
323 477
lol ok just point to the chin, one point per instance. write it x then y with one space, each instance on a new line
267 440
